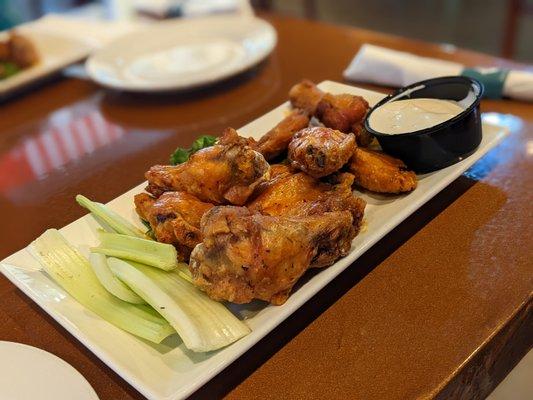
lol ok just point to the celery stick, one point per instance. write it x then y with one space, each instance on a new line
149 252
202 323
110 218
183 271
74 274
113 285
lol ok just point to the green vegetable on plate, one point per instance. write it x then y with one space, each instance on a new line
110 219
7 69
113 285
202 323
145 251
74 274
149 231
181 155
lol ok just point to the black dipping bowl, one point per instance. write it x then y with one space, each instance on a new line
443 144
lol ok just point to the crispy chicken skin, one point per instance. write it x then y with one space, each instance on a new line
298 194
23 52
342 112
362 136
306 96
19 50
175 218
5 52
320 151
226 173
379 172
345 113
279 169
246 256
275 141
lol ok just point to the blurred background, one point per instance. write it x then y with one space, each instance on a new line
499 27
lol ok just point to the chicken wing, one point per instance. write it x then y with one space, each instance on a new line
226 173
298 194
246 256
362 136
5 51
278 170
175 218
379 172
275 141
320 151
342 112
306 96
23 51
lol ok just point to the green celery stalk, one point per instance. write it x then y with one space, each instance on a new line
113 285
102 213
202 323
149 252
74 274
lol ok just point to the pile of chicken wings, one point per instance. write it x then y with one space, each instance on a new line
251 217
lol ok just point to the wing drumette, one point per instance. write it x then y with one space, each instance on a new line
275 141
227 172
246 256
306 96
342 112
320 151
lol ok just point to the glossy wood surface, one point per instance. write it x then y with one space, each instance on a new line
441 307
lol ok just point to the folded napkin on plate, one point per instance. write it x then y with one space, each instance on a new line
96 32
382 66
93 32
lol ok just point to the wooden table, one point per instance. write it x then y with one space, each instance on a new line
441 307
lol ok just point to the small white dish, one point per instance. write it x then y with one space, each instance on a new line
55 53
174 55
28 373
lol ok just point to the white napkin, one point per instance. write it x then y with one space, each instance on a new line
95 32
382 66
92 32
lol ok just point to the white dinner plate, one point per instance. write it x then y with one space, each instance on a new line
169 371
55 53
184 54
29 373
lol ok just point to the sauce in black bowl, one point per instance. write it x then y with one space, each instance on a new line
441 145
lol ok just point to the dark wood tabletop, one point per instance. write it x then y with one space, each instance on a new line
439 308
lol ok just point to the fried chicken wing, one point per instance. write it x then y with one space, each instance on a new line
275 141
342 112
306 96
379 172
362 136
320 151
175 218
246 256
226 173
298 194
279 169
5 52
22 50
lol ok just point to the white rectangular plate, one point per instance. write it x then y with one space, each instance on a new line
55 53
169 371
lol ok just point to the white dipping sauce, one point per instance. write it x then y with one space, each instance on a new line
410 115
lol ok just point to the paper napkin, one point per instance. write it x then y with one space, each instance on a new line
382 66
